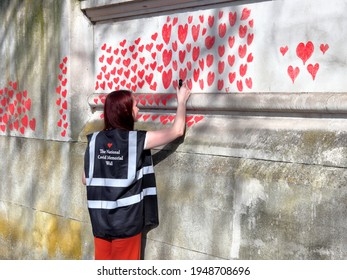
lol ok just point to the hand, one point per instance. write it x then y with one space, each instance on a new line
183 94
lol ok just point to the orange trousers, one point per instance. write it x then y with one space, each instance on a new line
118 249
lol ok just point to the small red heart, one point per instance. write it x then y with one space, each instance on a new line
324 48
209 60
250 38
209 42
167 55
153 86
220 84
313 69
27 104
109 60
16 125
189 124
242 51
201 18
145 117
134 55
231 41
231 60
201 84
293 73
32 124
11 109
196 74
64 106
249 82
210 78
196 53
141 83
198 118
149 47
5 119
109 145
122 44
239 85
24 121
195 32
210 21
132 48
243 69
242 31
137 41
123 52
182 33
283 50
167 78
250 58
232 18
220 67
221 50
174 46
164 119
245 14
222 30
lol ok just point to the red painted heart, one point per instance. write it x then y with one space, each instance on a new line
313 69
304 51
293 72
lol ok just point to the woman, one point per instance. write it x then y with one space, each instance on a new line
119 175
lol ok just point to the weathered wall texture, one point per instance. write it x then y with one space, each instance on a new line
46 69
261 171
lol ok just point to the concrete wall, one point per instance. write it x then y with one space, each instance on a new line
46 72
260 173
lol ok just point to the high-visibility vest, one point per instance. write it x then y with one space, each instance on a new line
121 186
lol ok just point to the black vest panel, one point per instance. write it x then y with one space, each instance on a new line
121 186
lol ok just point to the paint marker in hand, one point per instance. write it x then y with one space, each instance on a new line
180 82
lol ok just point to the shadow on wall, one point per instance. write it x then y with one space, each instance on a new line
31 42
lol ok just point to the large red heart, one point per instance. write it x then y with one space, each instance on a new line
304 51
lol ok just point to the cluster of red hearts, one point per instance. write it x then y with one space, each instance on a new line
61 101
211 52
152 99
164 119
14 108
304 52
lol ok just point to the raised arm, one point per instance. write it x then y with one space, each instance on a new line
164 136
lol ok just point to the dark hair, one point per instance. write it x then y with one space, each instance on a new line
118 110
